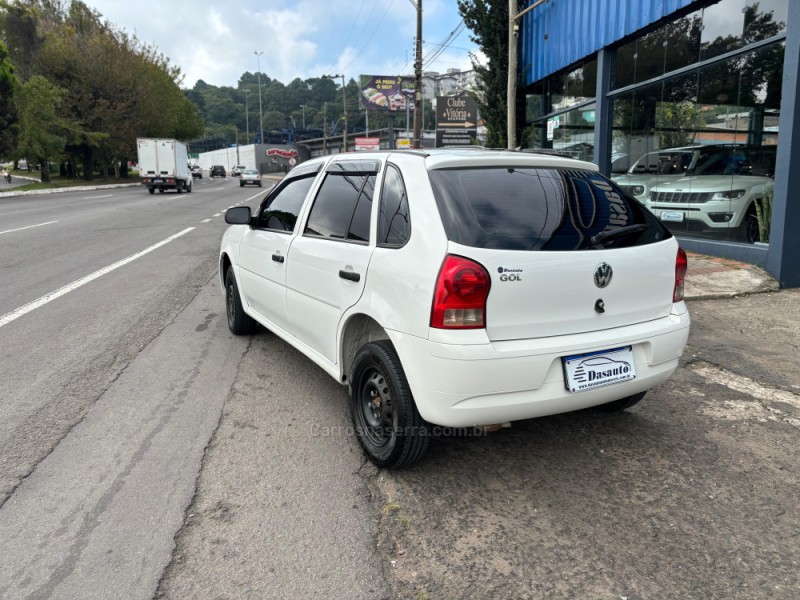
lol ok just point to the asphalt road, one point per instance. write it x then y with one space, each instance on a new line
146 452
115 366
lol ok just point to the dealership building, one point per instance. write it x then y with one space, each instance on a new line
689 105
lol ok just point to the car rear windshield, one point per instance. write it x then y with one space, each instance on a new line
526 208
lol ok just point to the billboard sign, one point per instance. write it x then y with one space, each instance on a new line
456 120
378 92
368 143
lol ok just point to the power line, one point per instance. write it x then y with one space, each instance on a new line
374 29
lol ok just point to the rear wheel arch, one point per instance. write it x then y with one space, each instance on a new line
360 329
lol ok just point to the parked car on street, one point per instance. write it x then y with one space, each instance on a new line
250 176
455 288
217 171
197 172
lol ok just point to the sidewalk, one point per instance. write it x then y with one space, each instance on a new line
709 277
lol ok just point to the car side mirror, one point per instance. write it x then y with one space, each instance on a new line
238 215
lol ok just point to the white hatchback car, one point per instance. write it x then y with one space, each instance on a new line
459 288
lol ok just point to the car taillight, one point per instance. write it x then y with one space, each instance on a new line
681 264
459 301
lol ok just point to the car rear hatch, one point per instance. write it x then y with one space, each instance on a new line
538 232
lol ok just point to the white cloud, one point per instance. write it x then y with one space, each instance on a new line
216 42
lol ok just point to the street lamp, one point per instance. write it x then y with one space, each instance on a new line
344 107
303 106
247 113
260 114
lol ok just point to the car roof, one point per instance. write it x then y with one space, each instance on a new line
476 156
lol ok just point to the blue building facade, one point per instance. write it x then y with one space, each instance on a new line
689 105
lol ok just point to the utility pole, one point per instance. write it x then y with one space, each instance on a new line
344 108
247 114
514 15
418 79
511 92
325 128
260 113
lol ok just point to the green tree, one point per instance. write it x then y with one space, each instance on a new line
8 109
43 132
488 22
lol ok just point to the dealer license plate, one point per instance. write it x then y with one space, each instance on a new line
673 215
596 369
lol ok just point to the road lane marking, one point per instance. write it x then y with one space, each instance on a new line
93 197
218 214
206 221
28 227
31 306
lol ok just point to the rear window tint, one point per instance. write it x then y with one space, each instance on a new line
525 208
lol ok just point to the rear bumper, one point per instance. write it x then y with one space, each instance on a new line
480 384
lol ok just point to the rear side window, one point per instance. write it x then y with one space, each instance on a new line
394 226
284 204
526 208
343 207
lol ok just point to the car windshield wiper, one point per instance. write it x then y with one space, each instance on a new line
606 236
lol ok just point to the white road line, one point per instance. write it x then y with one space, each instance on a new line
28 227
93 197
31 306
218 214
258 195
206 221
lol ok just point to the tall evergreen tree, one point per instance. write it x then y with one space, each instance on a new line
488 22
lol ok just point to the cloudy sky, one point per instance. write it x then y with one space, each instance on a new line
215 41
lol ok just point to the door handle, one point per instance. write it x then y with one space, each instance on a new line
349 275
277 258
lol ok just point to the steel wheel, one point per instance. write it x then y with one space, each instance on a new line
388 426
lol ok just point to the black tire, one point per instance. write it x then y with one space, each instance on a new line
151 190
387 424
259 184
160 190
621 404
179 187
748 230
241 184
239 322
189 189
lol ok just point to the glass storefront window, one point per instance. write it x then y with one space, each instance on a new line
575 133
723 27
699 150
641 59
764 19
683 41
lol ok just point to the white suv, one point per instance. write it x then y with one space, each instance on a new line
719 195
459 288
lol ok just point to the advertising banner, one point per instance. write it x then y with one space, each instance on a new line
378 92
368 143
456 120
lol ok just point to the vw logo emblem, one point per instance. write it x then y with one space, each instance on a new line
603 275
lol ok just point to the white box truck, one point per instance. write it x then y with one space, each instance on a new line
164 165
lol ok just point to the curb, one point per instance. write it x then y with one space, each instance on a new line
80 188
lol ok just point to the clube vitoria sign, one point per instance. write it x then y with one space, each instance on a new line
456 120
